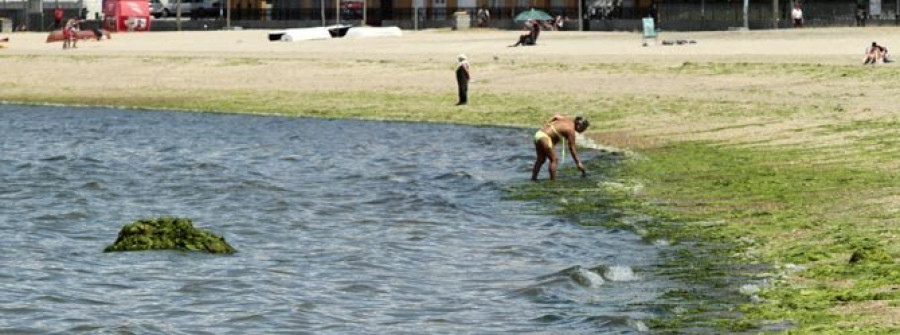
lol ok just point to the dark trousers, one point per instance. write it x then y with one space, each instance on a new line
463 91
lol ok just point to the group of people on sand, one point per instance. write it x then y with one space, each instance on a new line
69 30
533 30
876 53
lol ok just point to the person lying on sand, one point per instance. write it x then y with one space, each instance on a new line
558 128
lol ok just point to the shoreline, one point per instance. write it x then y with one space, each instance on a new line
780 137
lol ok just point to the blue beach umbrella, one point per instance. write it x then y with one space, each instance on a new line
533 14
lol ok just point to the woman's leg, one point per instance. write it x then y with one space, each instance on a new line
544 150
540 150
554 161
521 40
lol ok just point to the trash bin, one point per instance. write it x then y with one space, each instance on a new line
461 20
5 25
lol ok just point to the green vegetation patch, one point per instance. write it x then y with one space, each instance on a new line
168 234
804 219
811 70
740 216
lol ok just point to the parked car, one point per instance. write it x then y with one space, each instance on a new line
159 9
189 8
208 8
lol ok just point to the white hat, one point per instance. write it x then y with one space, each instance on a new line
461 57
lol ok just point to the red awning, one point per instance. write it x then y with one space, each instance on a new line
134 8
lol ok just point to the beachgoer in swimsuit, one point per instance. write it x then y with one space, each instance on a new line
557 128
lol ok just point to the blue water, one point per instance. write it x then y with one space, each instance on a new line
341 226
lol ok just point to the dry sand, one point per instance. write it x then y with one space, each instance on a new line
422 62
837 45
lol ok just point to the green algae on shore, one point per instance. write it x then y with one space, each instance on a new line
168 234
740 217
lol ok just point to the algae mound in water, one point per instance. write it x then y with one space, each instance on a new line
168 234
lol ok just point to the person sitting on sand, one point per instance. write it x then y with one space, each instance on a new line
557 128
875 53
558 23
534 29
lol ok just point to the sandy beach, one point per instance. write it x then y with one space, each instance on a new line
831 45
579 65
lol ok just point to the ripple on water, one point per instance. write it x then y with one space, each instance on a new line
61 217
92 186
54 158
566 286
88 327
618 273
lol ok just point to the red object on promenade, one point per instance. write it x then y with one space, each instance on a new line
126 15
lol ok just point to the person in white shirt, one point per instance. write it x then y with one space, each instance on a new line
462 79
797 16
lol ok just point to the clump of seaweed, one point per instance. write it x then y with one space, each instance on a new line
870 254
168 234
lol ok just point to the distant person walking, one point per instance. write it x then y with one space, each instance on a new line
462 79
57 18
797 16
654 14
860 14
484 17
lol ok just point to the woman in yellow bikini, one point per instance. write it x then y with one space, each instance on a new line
557 128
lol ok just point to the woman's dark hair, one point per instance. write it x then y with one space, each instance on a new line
584 123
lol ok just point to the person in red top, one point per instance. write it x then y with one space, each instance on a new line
67 35
69 38
57 18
